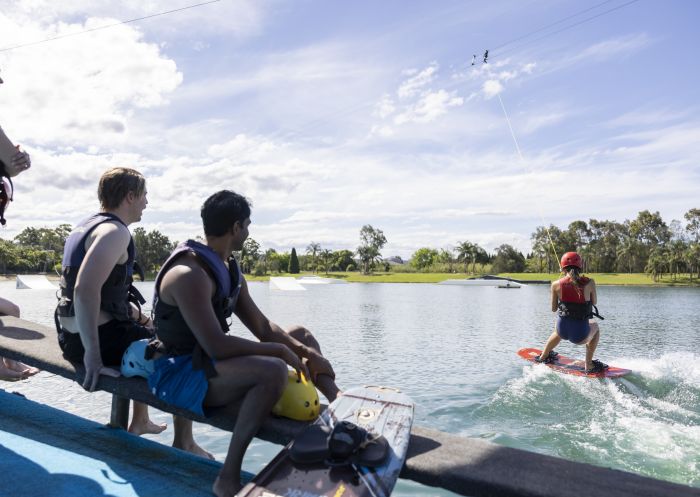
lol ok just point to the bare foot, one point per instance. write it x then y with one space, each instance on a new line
8 374
139 428
226 488
194 449
20 367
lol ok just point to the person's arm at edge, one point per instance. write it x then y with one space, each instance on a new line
109 244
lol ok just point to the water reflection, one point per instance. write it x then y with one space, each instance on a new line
452 349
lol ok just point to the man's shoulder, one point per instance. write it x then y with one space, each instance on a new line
186 276
110 233
187 267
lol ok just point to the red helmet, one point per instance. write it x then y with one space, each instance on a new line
571 259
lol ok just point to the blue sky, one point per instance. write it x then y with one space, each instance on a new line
332 115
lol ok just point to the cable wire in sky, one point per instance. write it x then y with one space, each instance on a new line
564 28
13 47
526 35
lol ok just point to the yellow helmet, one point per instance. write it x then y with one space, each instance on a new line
299 400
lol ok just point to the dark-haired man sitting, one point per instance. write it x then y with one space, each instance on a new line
197 289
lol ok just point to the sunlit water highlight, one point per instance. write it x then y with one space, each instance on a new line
452 349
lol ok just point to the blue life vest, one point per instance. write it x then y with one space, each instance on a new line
117 292
172 330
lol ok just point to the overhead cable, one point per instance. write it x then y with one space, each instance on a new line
13 47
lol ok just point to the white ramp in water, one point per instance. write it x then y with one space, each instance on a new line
34 282
285 283
317 280
480 282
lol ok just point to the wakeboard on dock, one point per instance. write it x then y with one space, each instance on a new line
356 448
567 365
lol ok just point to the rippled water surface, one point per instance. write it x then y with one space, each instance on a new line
452 349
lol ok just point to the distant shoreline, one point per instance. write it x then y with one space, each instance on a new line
619 279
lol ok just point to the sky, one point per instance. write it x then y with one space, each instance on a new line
330 115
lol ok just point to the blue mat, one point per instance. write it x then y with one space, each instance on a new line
48 452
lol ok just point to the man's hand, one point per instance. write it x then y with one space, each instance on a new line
318 364
20 163
93 369
293 360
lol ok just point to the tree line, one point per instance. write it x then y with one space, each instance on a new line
644 244
41 250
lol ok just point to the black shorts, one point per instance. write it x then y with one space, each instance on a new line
115 337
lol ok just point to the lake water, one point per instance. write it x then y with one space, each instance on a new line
452 349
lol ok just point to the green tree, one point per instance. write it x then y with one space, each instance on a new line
466 253
250 254
313 249
371 243
326 257
693 225
423 258
603 247
692 257
547 243
271 259
341 259
152 248
508 260
293 262
446 256
656 263
44 238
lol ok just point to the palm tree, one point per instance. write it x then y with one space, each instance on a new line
312 249
326 256
466 253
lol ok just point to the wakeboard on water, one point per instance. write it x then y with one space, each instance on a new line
567 365
356 448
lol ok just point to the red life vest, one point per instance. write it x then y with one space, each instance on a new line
570 292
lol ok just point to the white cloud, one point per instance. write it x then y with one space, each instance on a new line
429 107
414 84
385 107
491 88
240 17
535 122
614 47
73 93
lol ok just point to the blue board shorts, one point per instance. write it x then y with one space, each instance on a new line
573 330
175 382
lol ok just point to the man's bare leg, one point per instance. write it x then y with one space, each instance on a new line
552 342
141 423
323 382
256 383
184 439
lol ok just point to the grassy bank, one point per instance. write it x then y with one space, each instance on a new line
634 279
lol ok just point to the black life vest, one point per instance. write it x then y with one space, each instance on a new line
118 290
174 335
6 191
573 303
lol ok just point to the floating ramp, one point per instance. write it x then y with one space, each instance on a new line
286 284
34 282
483 282
317 280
